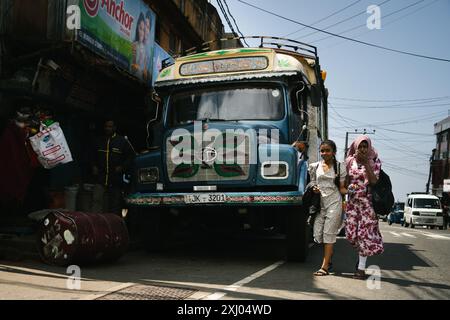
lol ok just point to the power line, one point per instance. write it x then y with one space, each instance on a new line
397 121
388 23
342 21
352 125
347 38
401 100
232 17
345 106
226 17
323 19
364 25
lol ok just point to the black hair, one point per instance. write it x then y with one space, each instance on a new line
332 144
140 19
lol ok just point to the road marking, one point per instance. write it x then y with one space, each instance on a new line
436 236
235 286
395 234
408 235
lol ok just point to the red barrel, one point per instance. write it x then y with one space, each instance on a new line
67 237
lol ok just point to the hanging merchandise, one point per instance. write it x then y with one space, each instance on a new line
51 146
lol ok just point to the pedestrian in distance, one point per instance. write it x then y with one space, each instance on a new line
112 157
362 229
329 176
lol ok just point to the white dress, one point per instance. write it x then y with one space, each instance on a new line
328 222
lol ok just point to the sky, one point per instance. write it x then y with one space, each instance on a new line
357 74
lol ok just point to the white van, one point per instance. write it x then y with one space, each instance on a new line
423 210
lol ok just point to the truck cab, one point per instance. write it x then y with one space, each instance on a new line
225 157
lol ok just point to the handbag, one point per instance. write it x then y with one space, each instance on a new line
51 146
382 196
311 200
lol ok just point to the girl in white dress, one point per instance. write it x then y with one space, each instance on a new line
330 183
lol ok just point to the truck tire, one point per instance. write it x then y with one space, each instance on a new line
154 230
297 234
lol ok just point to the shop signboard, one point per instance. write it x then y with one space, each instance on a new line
160 55
121 31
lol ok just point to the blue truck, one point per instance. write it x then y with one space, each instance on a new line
228 120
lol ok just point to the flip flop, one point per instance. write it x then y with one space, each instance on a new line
321 272
360 274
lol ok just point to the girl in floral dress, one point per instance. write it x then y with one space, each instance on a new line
362 230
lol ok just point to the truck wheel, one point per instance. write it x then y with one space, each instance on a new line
297 234
389 222
154 231
412 225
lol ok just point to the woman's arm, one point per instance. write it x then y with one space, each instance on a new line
342 188
371 177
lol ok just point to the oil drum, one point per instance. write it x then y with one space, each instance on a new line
71 237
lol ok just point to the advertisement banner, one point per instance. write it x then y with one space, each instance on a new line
123 31
159 56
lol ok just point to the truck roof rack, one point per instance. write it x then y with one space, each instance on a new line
295 46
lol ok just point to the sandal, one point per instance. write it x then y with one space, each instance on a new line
321 272
360 274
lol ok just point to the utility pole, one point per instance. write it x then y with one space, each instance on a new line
354 132
431 171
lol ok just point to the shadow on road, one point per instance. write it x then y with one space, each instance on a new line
209 263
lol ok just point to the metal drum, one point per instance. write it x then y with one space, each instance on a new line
67 237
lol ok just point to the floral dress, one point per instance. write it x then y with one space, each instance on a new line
362 230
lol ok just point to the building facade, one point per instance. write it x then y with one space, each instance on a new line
440 163
85 60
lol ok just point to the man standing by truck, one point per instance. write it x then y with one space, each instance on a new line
112 157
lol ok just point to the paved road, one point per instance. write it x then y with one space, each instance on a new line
414 266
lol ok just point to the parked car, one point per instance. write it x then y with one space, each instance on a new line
396 215
424 210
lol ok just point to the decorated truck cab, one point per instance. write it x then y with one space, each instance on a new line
225 158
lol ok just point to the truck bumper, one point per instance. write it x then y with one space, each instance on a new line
230 199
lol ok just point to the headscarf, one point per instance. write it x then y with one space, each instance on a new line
372 154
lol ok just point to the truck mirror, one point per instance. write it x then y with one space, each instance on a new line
316 95
157 100
299 89
298 98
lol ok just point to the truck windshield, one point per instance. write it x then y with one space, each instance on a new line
230 103
427 203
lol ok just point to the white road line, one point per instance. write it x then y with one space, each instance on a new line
408 235
240 283
436 236
395 234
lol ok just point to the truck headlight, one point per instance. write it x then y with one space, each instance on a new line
275 170
148 175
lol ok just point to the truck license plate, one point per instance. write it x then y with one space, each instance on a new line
205 198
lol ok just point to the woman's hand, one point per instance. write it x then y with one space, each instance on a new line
316 189
362 158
